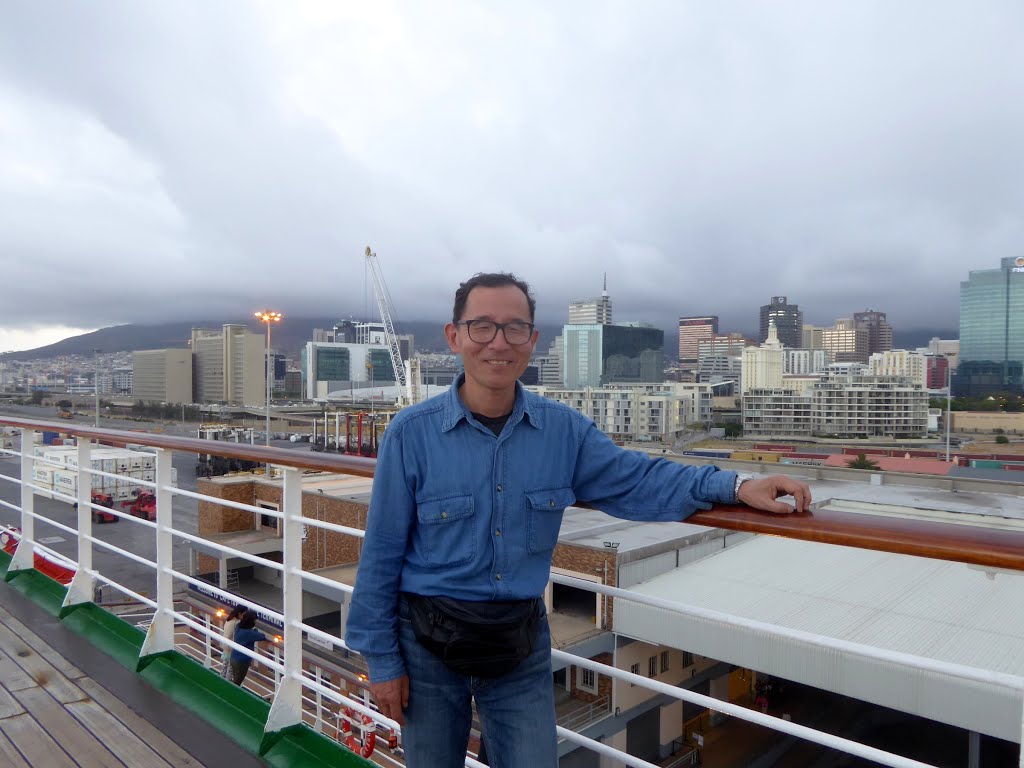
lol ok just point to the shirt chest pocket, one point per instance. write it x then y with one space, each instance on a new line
544 517
444 534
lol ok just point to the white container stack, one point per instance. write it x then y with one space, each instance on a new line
130 466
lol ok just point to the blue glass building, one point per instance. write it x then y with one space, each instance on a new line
991 331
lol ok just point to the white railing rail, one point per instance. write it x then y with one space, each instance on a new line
291 689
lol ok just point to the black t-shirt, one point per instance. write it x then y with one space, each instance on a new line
493 423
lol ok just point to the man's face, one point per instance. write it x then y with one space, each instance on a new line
496 365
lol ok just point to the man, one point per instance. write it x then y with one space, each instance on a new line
467 503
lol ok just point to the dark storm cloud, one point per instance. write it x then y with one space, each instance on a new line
162 161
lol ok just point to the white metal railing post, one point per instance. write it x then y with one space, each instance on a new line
318 676
160 636
81 588
208 642
24 555
286 709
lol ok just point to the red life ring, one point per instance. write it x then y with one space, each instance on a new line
352 744
371 742
346 726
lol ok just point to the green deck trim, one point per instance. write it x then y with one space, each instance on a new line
235 711
39 588
301 746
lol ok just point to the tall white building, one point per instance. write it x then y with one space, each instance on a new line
804 362
595 311
763 366
900 362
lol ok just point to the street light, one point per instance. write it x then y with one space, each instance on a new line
268 317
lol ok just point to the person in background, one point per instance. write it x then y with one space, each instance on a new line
246 635
230 624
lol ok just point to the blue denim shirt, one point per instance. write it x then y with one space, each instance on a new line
456 511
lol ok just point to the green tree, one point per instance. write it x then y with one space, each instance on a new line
67 405
733 430
38 396
1002 439
862 462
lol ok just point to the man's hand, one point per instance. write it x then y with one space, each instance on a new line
761 493
392 697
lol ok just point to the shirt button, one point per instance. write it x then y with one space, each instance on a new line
551 503
499 487
498 577
444 515
497 532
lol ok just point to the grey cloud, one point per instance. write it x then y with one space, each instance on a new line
846 154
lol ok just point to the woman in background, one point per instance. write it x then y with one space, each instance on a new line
230 624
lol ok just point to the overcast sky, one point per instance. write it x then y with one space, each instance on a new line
186 160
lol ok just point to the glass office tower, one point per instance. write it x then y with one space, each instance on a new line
991 331
596 355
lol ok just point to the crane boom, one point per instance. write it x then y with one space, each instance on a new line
385 318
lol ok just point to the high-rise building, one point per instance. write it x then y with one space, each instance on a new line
763 366
595 311
879 330
595 355
846 342
691 331
229 365
162 375
991 330
332 367
812 337
788 319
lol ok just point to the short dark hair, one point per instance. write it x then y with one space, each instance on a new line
238 611
248 620
490 280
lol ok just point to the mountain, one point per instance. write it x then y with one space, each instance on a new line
292 333
288 337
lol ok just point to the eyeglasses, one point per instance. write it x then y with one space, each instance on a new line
485 331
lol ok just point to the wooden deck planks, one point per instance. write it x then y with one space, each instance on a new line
48 720
34 743
38 668
121 741
59 663
9 756
149 734
85 748
12 676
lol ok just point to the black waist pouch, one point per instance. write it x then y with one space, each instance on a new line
478 639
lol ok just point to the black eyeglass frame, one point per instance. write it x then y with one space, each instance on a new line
498 327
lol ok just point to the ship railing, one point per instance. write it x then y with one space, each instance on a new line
289 685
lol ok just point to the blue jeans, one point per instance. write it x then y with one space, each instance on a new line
517 710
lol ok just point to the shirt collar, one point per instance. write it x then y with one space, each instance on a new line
455 410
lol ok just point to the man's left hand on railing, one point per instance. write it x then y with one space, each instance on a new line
763 493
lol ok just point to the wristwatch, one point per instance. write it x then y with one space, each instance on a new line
741 478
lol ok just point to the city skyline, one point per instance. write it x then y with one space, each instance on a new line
166 162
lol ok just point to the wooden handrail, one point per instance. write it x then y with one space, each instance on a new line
325 462
972 544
